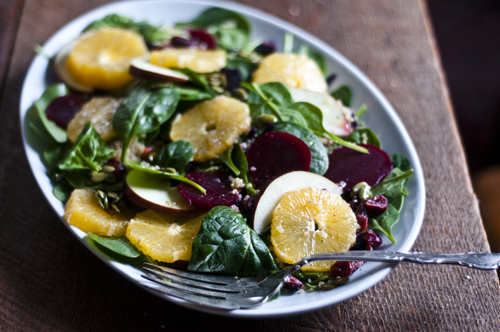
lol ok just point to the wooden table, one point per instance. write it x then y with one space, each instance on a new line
49 281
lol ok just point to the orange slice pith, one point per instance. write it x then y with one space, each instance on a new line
101 59
312 221
164 238
200 61
84 212
212 126
293 70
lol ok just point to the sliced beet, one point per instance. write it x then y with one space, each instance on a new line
353 167
62 109
276 153
203 39
217 185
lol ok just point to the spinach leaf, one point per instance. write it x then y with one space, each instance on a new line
319 154
145 167
316 57
225 157
143 112
52 92
344 94
176 155
192 94
392 185
197 79
149 32
400 161
88 152
385 221
80 179
119 245
226 245
244 66
364 136
62 191
240 160
274 98
231 30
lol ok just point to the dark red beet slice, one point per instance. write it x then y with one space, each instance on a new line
217 185
353 167
62 109
276 153
203 39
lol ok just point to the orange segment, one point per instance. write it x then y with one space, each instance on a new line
101 59
293 70
164 238
83 211
212 126
200 61
99 111
312 221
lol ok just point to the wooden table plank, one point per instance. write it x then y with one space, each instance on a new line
10 13
49 281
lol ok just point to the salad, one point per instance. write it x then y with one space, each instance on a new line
196 147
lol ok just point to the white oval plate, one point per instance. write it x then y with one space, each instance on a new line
381 117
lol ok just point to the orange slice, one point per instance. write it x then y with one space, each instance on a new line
312 221
200 61
101 59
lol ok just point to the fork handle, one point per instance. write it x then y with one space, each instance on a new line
476 260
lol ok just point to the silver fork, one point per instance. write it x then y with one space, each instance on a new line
241 293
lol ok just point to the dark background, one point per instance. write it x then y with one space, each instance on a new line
468 37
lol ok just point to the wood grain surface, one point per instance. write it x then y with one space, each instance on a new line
50 282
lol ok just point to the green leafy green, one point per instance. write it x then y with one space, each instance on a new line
316 57
80 179
240 160
231 30
145 167
274 98
225 157
344 94
149 32
62 191
385 221
319 154
244 66
197 79
360 112
143 112
226 245
176 155
400 161
363 136
118 245
192 94
51 93
88 152
392 185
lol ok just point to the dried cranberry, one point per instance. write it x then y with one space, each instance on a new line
354 203
266 48
376 205
362 217
179 265
119 168
189 168
252 133
360 242
292 283
330 79
203 39
233 78
372 238
62 109
145 154
368 247
180 42
269 128
342 269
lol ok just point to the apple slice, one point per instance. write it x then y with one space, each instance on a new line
62 70
141 68
275 190
336 117
154 192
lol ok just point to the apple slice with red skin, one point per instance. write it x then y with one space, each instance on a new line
273 193
354 167
141 68
154 192
275 153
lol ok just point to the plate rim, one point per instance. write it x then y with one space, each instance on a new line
382 269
